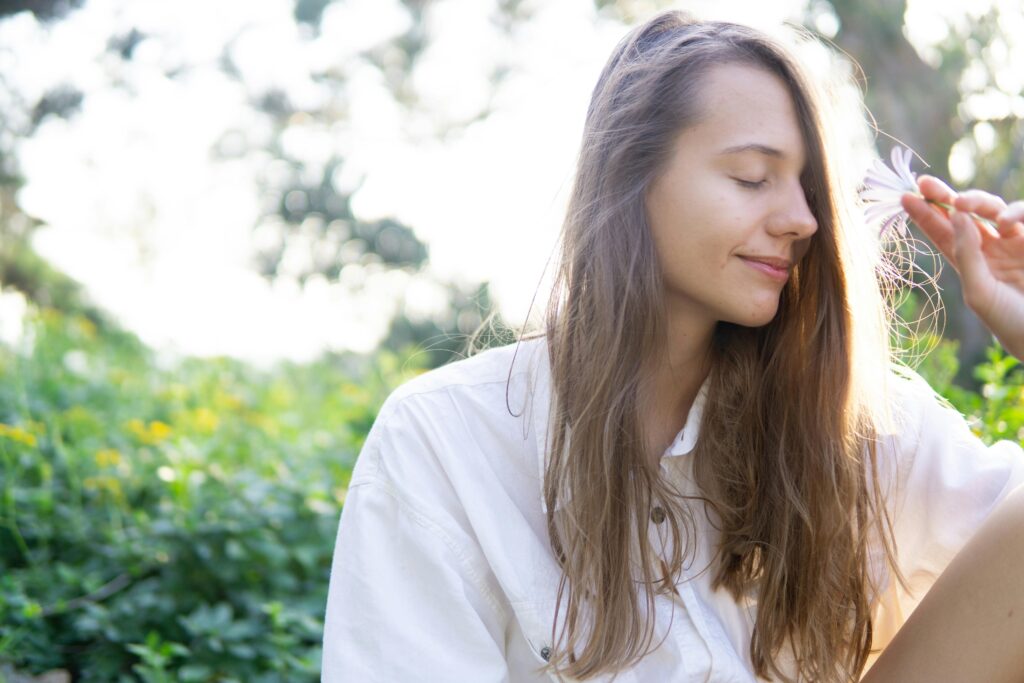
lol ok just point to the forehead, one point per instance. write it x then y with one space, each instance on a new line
746 106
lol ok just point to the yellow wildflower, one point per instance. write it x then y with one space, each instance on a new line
137 427
159 430
153 433
17 434
205 419
87 327
106 457
227 401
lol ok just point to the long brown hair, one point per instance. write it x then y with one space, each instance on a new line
786 458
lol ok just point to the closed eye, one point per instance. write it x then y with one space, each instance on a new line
750 184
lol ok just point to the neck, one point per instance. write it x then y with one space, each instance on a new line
674 378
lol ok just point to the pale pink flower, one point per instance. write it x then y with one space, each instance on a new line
883 187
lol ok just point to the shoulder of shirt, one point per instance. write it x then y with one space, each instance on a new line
416 427
908 385
458 380
492 365
916 404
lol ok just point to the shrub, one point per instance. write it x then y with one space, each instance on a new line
171 520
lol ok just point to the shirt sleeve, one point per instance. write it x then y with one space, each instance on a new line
406 602
952 481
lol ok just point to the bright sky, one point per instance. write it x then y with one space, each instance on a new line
160 233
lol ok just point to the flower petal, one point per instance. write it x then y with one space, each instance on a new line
873 213
887 179
896 156
883 189
897 222
881 195
903 169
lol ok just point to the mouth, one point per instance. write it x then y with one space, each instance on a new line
775 268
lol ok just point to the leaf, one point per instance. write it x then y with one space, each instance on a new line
194 672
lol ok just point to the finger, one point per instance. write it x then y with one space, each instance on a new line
934 189
982 203
975 276
933 223
1011 218
1014 211
918 208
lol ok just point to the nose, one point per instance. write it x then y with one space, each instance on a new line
794 216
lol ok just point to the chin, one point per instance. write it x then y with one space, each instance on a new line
760 322
755 318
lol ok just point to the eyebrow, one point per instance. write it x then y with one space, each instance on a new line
754 147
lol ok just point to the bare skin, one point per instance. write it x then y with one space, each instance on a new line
970 625
675 380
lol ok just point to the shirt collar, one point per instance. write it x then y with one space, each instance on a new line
543 424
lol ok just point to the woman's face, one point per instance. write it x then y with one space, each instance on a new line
728 214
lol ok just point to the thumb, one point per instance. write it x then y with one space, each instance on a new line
970 261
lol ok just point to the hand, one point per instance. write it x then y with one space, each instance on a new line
989 261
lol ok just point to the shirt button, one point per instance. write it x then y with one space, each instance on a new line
545 652
657 514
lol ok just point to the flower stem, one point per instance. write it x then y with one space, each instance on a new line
980 219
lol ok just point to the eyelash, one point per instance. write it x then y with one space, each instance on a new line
750 185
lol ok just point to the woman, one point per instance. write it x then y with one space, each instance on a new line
547 509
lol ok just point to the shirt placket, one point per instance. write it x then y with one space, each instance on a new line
682 615
705 641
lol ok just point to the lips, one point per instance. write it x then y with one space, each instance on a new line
775 268
774 262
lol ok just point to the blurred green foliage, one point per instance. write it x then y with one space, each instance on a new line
993 403
171 521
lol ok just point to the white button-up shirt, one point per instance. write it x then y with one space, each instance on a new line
443 569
